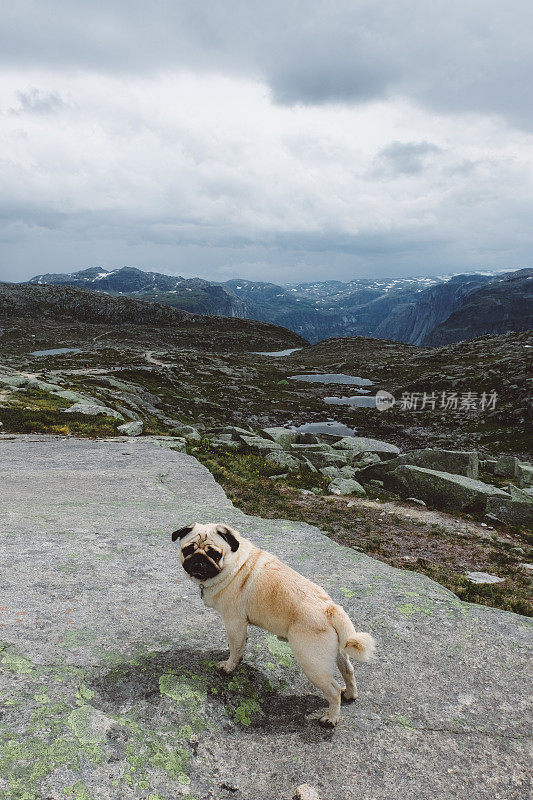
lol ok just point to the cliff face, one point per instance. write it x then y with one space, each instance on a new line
504 304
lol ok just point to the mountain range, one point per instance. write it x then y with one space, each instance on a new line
422 310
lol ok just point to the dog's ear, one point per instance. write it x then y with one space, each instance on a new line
227 534
182 532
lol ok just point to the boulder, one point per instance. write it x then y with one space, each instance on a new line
283 459
347 472
506 466
524 474
360 444
282 436
257 443
441 489
237 432
457 462
483 577
324 459
74 397
330 472
91 409
366 459
307 438
513 512
488 465
520 494
188 431
311 447
131 428
224 444
345 486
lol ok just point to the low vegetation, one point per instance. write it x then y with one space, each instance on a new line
433 549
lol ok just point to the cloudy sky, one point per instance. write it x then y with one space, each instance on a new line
268 140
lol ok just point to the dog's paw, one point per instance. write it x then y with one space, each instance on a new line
348 697
225 666
328 722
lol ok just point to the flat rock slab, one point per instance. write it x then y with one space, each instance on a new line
108 682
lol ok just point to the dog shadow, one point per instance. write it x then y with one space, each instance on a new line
245 701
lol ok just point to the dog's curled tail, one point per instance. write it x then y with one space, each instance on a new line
358 644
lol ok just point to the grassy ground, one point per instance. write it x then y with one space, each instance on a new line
436 550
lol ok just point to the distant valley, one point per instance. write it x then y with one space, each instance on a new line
423 311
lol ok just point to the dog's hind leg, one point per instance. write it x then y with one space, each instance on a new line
236 629
344 664
316 656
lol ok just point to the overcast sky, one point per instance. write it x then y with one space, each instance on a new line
269 140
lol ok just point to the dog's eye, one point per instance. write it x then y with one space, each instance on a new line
214 554
187 551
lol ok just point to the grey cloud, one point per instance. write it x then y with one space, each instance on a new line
449 55
36 102
407 158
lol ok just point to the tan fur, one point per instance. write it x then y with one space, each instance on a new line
254 587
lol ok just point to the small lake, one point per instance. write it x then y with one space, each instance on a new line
278 353
335 377
57 352
356 401
336 428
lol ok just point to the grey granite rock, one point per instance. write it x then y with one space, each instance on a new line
345 486
457 462
91 409
360 444
283 436
442 488
131 428
107 657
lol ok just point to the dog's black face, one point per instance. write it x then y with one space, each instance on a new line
201 562
202 555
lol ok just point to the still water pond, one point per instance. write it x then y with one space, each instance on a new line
278 353
58 351
335 377
336 428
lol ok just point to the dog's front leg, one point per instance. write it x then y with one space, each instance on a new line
236 629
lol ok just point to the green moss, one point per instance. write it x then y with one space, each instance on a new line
183 688
405 723
280 650
409 608
78 791
74 638
80 720
18 663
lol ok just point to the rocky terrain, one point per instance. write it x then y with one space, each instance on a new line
192 378
108 680
405 310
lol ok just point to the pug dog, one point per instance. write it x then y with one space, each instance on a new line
249 586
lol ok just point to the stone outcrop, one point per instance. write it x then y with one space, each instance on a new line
442 488
131 428
457 462
345 486
108 655
91 409
359 444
